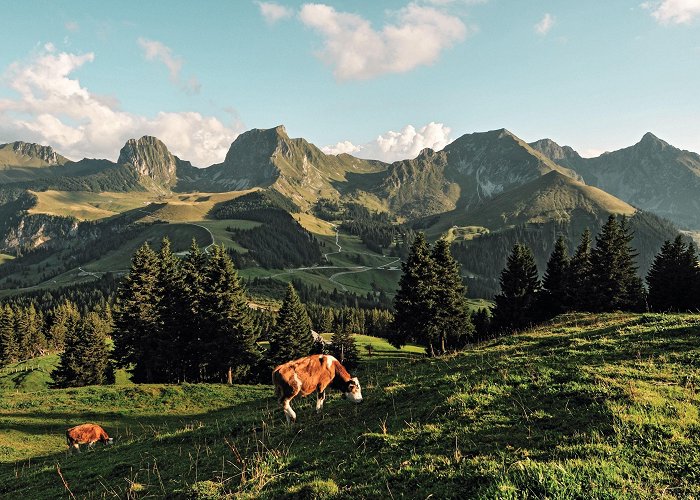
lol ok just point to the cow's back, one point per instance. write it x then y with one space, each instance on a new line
85 433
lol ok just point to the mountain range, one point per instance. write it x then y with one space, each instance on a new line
492 181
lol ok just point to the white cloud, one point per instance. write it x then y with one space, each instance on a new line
274 12
673 11
341 148
52 107
392 146
72 26
154 50
545 24
357 51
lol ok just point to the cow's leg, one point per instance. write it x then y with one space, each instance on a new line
288 412
76 447
320 399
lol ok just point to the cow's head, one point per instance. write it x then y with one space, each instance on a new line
353 391
106 440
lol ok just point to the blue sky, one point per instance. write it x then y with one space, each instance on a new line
378 79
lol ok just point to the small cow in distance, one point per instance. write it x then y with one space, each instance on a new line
313 373
86 434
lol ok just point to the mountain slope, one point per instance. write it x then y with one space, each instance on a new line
651 175
471 169
22 161
294 167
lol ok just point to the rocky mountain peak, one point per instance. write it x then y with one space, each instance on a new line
650 141
554 151
151 158
37 151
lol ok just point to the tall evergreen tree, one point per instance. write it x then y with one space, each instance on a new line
291 337
193 268
344 347
515 306
556 281
136 316
673 277
613 271
85 360
9 350
414 301
452 321
691 262
62 320
228 331
580 287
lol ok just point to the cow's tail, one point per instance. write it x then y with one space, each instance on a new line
276 383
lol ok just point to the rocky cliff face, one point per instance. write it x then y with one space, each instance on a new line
558 154
27 154
651 175
151 160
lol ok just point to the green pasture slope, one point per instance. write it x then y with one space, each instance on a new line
584 407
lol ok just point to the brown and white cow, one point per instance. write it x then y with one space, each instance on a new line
313 373
86 434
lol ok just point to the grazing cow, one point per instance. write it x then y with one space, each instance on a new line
86 434
313 373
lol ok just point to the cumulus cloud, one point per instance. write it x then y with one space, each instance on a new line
357 51
52 107
154 50
673 11
392 146
545 24
274 12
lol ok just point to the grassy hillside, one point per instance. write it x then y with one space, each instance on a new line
587 406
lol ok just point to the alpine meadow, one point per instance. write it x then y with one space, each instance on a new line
391 296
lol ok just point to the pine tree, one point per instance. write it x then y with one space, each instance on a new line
63 319
291 336
414 301
85 360
452 320
673 277
555 284
344 348
193 268
482 323
228 331
613 271
691 299
580 288
136 316
8 343
515 306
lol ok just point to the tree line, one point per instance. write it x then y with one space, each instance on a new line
598 278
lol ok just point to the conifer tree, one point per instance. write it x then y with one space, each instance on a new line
691 262
580 289
229 332
85 360
136 316
555 283
63 319
191 337
673 277
414 301
482 323
515 306
452 320
613 271
291 337
8 343
344 347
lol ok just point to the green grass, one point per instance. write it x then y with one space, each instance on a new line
587 406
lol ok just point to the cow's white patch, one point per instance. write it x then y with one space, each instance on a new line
329 360
355 395
297 380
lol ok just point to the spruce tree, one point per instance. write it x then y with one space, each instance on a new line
452 319
63 319
555 283
191 337
613 272
136 316
691 299
85 360
673 277
344 347
580 288
228 331
8 343
414 301
291 337
515 306
481 319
